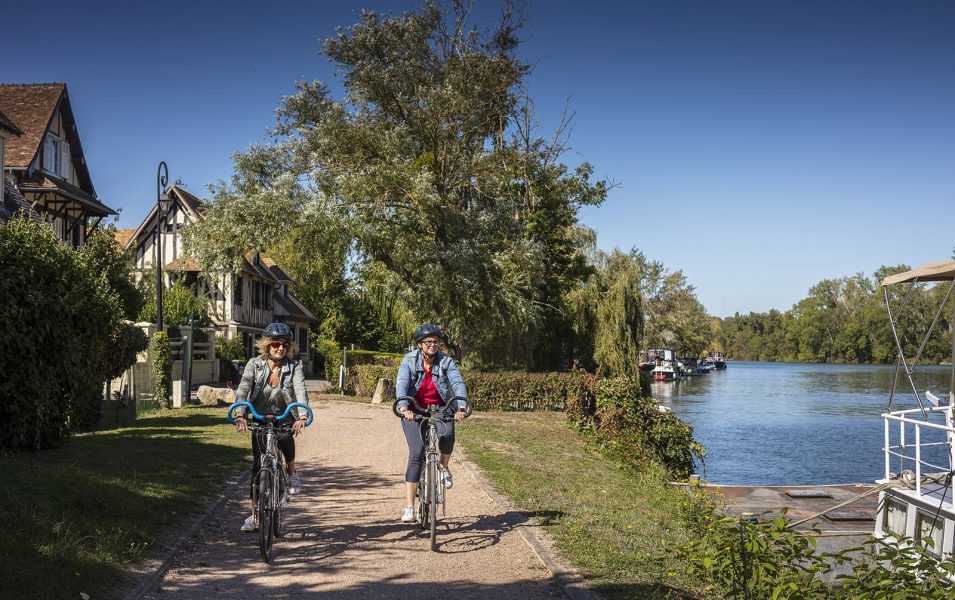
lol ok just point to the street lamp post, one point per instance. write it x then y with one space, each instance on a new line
163 204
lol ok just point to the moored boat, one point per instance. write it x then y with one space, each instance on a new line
666 366
917 503
716 358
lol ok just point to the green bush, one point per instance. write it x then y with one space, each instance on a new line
365 378
161 353
178 302
520 391
58 314
768 559
365 367
634 428
230 349
332 356
121 353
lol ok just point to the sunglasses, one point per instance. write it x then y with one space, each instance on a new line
430 342
279 344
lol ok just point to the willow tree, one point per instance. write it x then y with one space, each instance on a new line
609 309
429 167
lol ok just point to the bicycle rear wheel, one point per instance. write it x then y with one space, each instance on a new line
265 514
433 503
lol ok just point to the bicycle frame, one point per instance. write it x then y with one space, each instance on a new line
270 481
430 487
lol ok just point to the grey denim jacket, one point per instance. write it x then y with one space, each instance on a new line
447 378
291 386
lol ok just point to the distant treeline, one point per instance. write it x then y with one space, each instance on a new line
843 320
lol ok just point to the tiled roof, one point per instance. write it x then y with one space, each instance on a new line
14 203
9 125
39 182
183 264
123 236
30 106
276 270
289 307
191 202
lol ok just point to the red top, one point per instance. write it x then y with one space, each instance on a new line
428 392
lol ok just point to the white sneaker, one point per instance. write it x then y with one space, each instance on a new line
294 484
407 515
446 478
250 525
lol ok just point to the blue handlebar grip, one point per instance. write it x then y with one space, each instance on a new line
298 405
259 417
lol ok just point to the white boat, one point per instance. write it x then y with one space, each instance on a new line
666 366
918 499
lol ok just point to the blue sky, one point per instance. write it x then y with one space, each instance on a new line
758 146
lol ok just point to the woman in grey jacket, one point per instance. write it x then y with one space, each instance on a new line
268 383
430 377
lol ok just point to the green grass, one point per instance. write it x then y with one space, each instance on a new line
72 519
615 526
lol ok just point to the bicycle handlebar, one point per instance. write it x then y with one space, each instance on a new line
413 402
259 417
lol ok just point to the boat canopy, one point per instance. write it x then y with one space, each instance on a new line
940 270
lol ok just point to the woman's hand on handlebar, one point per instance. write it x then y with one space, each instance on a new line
407 414
298 426
459 415
241 425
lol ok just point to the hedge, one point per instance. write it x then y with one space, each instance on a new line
59 315
510 391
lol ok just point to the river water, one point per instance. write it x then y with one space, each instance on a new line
793 424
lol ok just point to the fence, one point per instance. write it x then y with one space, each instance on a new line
135 388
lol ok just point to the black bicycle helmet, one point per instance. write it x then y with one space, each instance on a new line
277 330
427 330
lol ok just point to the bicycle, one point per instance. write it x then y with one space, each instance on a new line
270 482
430 486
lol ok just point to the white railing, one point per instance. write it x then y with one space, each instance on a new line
912 455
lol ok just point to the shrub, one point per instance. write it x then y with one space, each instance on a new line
59 314
125 344
362 380
768 559
634 428
332 356
178 302
161 354
230 349
520 391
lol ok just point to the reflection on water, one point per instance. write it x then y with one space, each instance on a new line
788 424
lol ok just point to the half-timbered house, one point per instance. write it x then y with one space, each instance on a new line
240 305
45 162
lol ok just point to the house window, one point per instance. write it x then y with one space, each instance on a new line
303 341
56 156
237 291
894 516
927 527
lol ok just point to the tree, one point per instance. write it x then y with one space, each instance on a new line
430 169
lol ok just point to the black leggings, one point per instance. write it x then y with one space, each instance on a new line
286 445
414 432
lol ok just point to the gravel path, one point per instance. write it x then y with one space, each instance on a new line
344 538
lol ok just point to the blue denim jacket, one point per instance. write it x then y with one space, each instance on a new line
291 386
447 378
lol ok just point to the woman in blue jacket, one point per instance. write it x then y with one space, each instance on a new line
430 377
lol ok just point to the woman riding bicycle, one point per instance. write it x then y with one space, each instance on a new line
268 382
430 377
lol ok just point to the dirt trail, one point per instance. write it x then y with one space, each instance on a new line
344 538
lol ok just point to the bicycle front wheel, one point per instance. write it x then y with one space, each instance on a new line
266 515
433 503
422 502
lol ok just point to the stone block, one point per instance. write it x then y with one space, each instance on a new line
384 391
213 396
